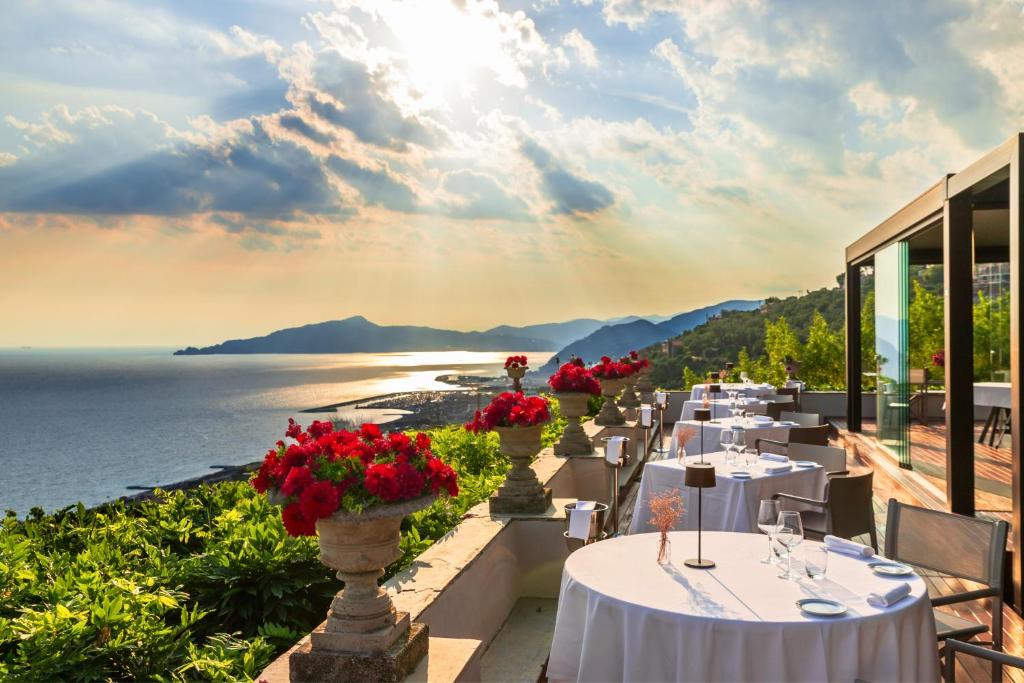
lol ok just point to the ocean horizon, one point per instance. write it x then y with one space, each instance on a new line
85 424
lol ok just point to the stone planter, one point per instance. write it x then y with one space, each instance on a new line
516 375
364 637
610 414
644 386
574 440
629 398
521 493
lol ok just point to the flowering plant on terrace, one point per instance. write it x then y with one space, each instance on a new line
510 410
515 362
635 361
327 470
609 369
572 377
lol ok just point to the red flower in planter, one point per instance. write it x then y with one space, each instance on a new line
510 410
515 362
609 369
939 359
635 361
326 470
572 377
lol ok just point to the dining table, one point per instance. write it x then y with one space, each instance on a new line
720 407
622 616
708 435
731 505
750 389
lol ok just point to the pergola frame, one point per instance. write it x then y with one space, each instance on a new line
949 203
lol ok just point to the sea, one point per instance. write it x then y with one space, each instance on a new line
93 425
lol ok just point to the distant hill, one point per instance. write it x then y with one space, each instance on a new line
357 334
559 334
617 340
709 345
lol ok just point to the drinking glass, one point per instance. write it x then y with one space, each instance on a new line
767 522
790 533
739 440
726 438
816 562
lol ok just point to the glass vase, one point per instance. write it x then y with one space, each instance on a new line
664 549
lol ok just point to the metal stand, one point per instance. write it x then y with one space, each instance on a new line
699 563
612 471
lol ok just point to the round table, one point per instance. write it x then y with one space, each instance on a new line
623 617
752 390
712 433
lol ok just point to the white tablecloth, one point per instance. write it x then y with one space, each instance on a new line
993 394
732 504
713 430
720 407
752 390
623 617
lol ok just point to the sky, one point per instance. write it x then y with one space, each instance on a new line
182 172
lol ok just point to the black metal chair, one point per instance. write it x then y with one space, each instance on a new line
952 646
793 393
846 510
965 547
802 419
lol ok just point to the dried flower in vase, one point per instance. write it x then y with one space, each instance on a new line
666 509
682 438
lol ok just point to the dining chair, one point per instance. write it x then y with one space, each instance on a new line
792 392
815 436
774 410
953 646
802 419
845 511
833 459
964 547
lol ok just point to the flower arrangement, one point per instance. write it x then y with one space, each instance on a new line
609 369
328 470
939 358
572 377
636 361
666 509
510 409
515 362
682 438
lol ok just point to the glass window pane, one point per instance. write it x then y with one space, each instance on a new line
891 266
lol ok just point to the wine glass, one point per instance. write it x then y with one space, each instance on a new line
767 522
726 439
739 440
790 533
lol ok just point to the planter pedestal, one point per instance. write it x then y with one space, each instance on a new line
644 386
364 637
629 398
574 440
522 492
610 415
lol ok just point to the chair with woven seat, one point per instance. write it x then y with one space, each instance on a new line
815 436
964 547
774 409
802 419
846 510
792 392
833 459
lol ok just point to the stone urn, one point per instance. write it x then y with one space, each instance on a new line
516 375
629 398
574 440
364 637
610 415
643 384
522 492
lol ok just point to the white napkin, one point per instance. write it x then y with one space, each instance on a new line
763 419
645 416
660 397
579 521
848 547
890 597
774 457
776 468
613 449
585 505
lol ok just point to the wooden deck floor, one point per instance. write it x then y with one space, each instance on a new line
918 488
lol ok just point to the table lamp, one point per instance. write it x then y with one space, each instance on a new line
700 476
714 390
702 415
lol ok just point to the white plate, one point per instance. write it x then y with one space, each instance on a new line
740 475
820 607
891 569
805 463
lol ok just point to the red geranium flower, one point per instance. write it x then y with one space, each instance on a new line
296 523
515 362
572 377
296 481
319 500
509 410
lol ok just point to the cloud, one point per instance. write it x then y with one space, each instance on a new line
584 49
571 194
479 197
377 187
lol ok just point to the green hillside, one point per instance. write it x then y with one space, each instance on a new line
710 345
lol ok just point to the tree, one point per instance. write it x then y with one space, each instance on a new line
868 359
991 335
690 378
823 364
925 324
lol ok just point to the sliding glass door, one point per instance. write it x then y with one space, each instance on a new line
891 346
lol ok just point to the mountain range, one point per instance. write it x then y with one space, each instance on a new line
583 336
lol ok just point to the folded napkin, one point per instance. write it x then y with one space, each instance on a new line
890 597
613 449
765 419
775 457
579 521
847 547
645 416
775 468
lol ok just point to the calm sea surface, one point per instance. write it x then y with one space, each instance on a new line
82 425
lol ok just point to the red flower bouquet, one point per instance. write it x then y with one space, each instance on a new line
572 377
609 369
939 358
510 410
326 470
515 362
635 361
